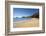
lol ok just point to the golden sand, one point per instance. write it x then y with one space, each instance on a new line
34 22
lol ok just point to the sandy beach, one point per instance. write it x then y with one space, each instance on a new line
34 22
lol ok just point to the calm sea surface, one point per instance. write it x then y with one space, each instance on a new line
19 19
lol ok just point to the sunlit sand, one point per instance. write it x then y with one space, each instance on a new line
34 22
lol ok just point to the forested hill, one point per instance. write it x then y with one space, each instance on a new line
36 15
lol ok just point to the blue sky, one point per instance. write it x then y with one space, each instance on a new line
19 12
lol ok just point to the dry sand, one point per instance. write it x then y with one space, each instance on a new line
34 22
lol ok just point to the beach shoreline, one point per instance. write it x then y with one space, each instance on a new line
34 22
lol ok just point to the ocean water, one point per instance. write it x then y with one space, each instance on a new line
20 19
